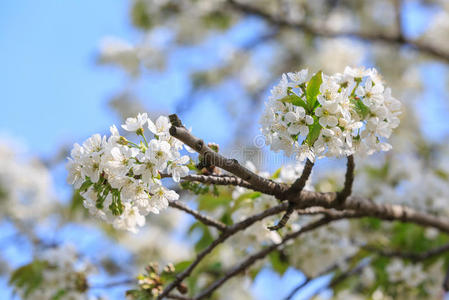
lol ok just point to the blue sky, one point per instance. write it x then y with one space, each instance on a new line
53 93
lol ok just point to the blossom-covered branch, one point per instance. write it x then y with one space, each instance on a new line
307 116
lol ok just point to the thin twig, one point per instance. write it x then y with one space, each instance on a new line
242 266
300 183
178 297
349 180
295 188
309 279
341 277
284 219
228 232
398 18
113 284
410 255
206 220
298 287
446 281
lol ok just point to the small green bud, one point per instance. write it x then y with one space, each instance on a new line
139 131
123 141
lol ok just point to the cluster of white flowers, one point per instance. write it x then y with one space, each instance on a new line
121 180
318 250
63 275
25 185
343 114
400 179
411 274
131 57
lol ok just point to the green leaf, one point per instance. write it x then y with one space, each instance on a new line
85 186
278 262
314 132
3 193
59 295
210 202
76 205
276 174
217 20
206 237
181 266
137 295
295 100
409 236
360 108
140 16
227 219
28 277
313 90
378 172
245 196
253 272
440 173
214 268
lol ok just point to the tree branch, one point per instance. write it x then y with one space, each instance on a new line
295 188
369 208
262 254
300 183
349 180
228 232
410 255
213 179
112 284
398 18
341 277
446 281
218 180
327 33
178 297
211 157
305 199
206 220
309 279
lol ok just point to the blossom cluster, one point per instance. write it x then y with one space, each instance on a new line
338 115
26 189
411 274
59 274
121 180
399 180
320 249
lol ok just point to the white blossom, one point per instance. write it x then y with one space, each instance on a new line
353 113
120 180
178 169
62 272
133 124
